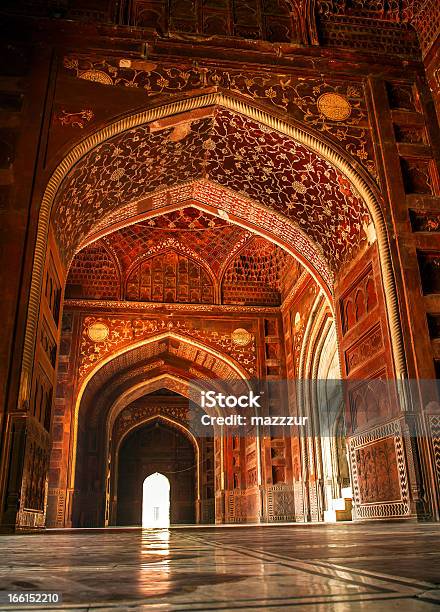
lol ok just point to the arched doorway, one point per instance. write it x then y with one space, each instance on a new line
156 502
156 447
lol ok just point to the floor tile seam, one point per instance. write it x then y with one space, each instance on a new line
388 578
308 568
376 582
326 564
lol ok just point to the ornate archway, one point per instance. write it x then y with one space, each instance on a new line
103 417
289 130
156 445
311 202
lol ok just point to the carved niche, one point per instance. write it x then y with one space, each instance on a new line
401 96
170 277
434 326
52 290
429 266
369 401
253 19
41 402
359 301
417 175
365 349
425 221
410 134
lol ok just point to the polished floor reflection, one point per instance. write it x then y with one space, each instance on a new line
381 567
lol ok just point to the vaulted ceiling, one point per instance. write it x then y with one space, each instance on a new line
228 150
186 255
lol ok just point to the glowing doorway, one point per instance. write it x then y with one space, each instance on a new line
156 502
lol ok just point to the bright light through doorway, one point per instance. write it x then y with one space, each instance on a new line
156 502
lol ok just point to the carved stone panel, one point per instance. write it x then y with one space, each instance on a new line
366 348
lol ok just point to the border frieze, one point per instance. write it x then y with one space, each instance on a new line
153 306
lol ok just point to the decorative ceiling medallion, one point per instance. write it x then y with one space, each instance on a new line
241 337
334 106
98 332
97 76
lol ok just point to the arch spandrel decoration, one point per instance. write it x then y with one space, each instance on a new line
130 371
125 333
336 160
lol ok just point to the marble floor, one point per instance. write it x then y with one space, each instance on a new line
379 567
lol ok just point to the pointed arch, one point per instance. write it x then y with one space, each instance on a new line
292 129
167 420
191 256
235 368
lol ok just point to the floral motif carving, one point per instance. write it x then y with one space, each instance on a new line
151 307
281 503
125 331
377 472
386 508
78 119
295 95
36 461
